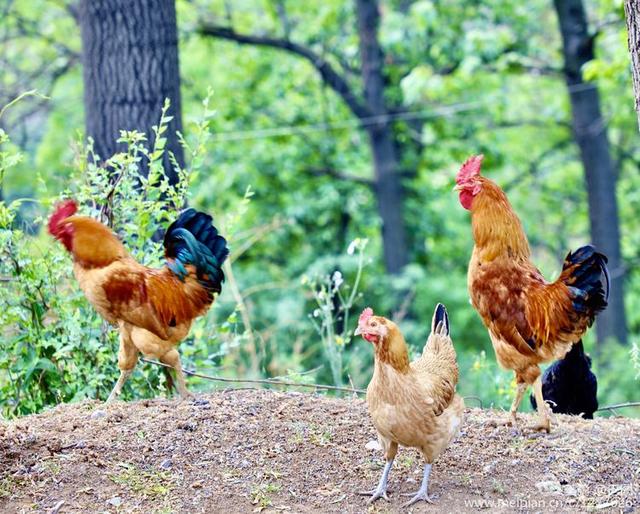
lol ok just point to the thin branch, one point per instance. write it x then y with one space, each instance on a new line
284 18
256 234
535 164
329 75
244 314
268 286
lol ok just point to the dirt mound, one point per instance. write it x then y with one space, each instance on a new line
248 450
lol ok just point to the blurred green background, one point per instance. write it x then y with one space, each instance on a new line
285 166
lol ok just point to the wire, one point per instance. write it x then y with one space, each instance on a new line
272 381
258 380
438 112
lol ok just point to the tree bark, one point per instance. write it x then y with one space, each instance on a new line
590 134
385 160
632 14
372 112
130 66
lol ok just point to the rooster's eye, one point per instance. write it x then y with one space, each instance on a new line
373 323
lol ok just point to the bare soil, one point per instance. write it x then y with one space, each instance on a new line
256 450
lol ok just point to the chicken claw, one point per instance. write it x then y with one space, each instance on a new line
418 497
511 421
422 494
381 490
544 425
375 495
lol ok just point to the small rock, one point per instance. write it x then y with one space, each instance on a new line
245 464
489 468
197 485
373 445
188 426
549 486
98 414
166 464
57 507
116 501
569 490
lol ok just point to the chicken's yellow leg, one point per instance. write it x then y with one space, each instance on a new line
522 387
117 389
543 409
172 358
513 420
127 359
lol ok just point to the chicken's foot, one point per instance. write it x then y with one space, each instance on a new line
512 420
381 490
172 358
117 389
543 409
422 494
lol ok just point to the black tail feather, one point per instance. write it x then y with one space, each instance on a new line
193 239
585 281
440 318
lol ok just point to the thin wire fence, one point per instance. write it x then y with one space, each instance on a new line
325 387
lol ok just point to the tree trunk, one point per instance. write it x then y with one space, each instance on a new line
130 65
388 185
632 13
590 133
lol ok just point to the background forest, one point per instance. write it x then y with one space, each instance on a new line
304 128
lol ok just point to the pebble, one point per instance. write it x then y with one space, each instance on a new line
98 414
166 464
373 445
549 486
489 467
116 501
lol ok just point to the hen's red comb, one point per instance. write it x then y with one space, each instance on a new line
63 210
364 317
469 169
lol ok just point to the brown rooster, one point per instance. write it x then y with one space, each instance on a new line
412 404
153 308
530 320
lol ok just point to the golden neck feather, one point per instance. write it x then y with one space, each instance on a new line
393 351
496 227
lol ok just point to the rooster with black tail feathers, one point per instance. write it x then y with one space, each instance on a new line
153 308
530 320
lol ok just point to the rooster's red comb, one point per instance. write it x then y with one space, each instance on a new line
469 169
364 317
63 210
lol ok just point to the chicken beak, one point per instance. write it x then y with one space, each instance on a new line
457 188
357 331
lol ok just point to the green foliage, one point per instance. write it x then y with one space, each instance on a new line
56 348
335 299
474 77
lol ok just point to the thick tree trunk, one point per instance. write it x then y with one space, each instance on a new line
130 65
388 185
590 133
632 13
